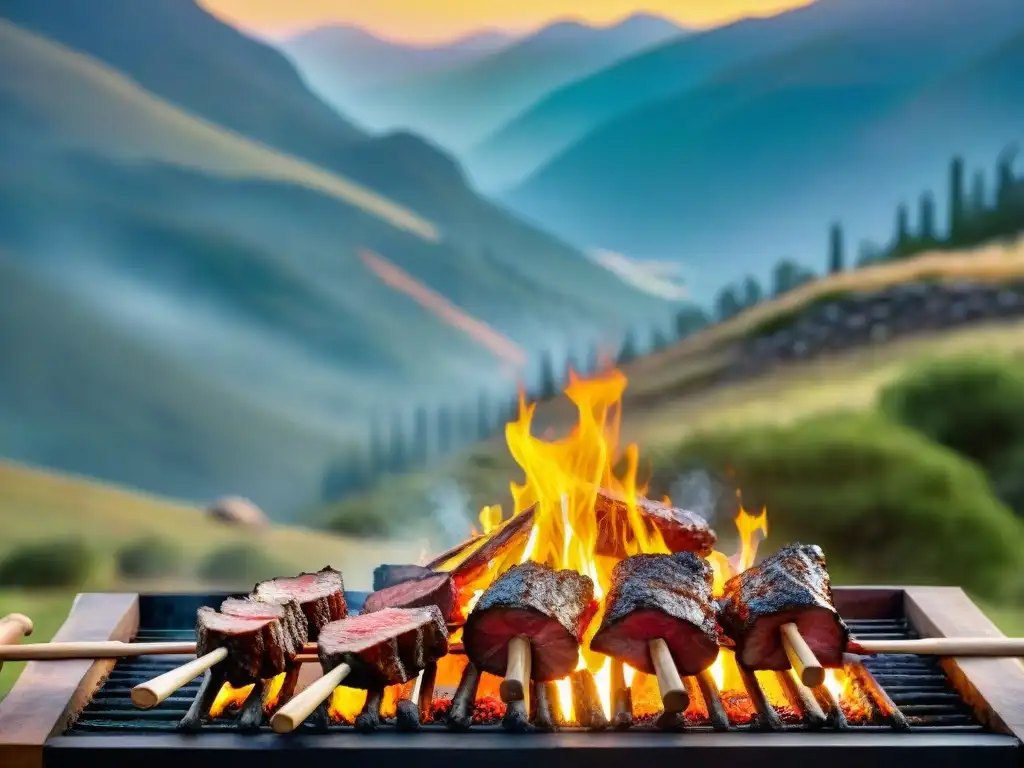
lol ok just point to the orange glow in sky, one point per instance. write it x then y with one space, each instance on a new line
436 20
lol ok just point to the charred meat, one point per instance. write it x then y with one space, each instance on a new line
387 575
660 596
321 596
681 530
386 647
551 608
286 610
436 589
258 646
792 585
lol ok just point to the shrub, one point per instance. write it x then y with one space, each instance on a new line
55 563
974 405
239 563
885 503
148 558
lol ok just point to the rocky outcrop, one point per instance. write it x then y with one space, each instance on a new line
234 510
875 317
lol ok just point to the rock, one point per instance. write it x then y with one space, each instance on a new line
235 510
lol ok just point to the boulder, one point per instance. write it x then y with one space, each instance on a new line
235 510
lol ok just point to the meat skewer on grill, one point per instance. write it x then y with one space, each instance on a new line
528 625
320 595
247 641
680 529
780 614
369 651
660 618
436 589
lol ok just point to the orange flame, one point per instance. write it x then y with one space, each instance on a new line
232 698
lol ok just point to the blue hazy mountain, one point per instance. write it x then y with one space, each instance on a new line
752 163
458 107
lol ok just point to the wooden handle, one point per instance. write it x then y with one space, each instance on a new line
148 695
517 673
13 627
674 698
1002 647
294 713
109 649
801 657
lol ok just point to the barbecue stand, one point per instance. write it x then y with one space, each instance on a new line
75 713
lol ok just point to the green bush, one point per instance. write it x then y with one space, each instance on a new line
148 558
884 503
361 518
55 563
240 563
974 405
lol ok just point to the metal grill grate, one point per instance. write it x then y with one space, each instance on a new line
908 693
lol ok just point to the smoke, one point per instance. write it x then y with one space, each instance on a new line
699 491
449 511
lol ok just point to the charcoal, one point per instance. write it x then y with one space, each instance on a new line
436 589
680 529
321 596
386 647
460 716
792 585
368 720
551 608
660 596
543 703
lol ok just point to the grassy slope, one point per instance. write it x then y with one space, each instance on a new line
38 505
138 126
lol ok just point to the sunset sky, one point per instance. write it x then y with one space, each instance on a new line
435 20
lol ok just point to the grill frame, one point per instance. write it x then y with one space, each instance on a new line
37 712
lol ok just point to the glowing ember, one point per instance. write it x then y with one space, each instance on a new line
229 698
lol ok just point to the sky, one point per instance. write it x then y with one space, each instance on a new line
427 21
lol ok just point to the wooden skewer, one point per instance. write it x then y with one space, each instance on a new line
294 713
517 672
1004 647
13 627
148 695
674 698
106 649
801 657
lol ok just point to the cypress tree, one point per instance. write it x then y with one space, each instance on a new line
1005 181
956 200
978 204
398 457
927 223
752 293
421 436
548 384
835 249
445 430
467 423
628 351
688 320
902 228
483 417
658 339
727 303
378 452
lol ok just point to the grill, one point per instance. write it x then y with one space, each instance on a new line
944 712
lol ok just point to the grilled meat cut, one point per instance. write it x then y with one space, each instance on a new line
551 608
321 596
386 575
792 585
437 589
258 646
386 647
681 530
286 610
661 596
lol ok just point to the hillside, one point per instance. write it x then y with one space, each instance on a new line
238 268
681 170
566 116
341 62
459 106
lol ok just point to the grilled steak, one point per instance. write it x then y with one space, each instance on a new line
287 611
386 647
660 596
258 646
321 596
791 585
385 575
438 589
682 530
551 608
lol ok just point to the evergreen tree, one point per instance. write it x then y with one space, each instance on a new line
1005 180
658 339
867 253
484 427
927 223
445 430
628 350
467 423
378 451
593 359
902 228
398 453
548 383
835 249
689 320
956 200
420 437
978 203
727 303
752 293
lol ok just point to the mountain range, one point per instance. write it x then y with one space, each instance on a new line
456 95
211 276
